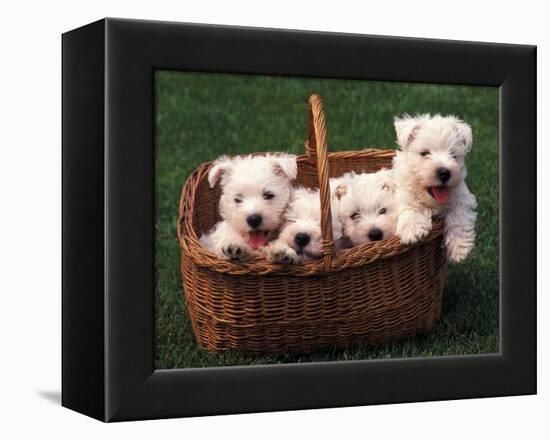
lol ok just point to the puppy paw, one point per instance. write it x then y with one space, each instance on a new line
281 254
236 251
458 250
413 232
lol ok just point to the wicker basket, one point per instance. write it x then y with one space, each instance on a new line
372 293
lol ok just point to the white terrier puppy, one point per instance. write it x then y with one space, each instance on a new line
300 237
367 205
255 194
429 172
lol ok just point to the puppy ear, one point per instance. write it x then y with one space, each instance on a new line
340 191
386 180
406 129
222 166
388 185
285 166
464 133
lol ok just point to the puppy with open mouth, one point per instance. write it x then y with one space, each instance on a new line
255 194
300 238
430 177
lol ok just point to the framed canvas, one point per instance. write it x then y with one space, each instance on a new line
148 106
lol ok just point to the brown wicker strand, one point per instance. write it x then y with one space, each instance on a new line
317 148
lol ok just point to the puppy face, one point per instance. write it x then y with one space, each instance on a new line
367 206
255 193
431 160
302 228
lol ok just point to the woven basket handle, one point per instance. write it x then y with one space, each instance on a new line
316 150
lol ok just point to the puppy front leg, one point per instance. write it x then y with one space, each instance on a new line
460 230
229 245
278 252
413 225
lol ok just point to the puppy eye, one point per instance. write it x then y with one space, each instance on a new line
425 153
453 156
237 200
268 195
382 211
354 216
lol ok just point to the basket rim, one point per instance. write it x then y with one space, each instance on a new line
357 256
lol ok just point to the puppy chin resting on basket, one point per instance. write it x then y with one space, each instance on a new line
429 172
367 205
255 194
300 238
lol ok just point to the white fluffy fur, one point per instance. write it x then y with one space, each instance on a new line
250 185
447 140
302 216
366 204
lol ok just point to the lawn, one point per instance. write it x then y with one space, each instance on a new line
202 116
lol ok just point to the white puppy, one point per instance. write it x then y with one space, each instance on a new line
300 237
429 172
367 205
255 194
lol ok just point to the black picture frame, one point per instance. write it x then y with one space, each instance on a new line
108 219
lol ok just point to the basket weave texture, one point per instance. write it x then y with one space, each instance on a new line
371 293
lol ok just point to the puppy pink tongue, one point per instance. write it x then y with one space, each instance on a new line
441 194
257 239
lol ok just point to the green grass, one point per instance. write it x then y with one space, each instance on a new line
201 116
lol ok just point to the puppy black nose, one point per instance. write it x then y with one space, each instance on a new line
375 234
444 174
302 239
254 220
